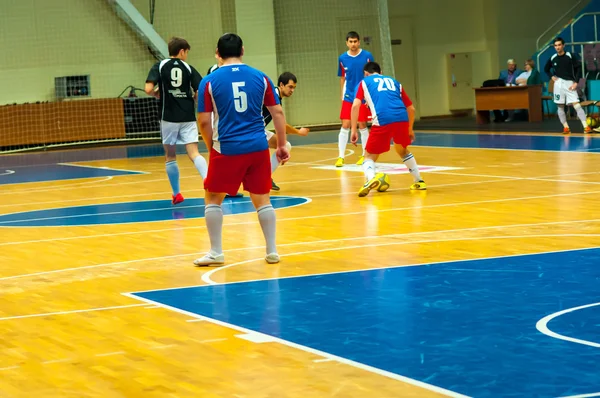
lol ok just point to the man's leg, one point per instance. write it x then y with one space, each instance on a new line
411 163
197 159
213 214
257 181
344 132
372 182
274 162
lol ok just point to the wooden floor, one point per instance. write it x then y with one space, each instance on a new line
68 331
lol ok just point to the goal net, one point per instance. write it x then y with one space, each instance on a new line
73 71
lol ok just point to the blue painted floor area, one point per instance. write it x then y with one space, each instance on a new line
132 212
56 172
467 326
590 143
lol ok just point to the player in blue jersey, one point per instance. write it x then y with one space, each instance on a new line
393 117
236 140
350 71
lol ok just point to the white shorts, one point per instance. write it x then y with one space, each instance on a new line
178 133
269 134
562 94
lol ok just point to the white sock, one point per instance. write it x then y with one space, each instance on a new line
267 219
173 174
364 136
411 163
213 215
581 115
369 169
562 116
343 141
201 165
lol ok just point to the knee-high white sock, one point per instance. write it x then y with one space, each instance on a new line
343 141
364 136
201 165
213 214
369 169
267 219
562 116
173 174
581 114
411 163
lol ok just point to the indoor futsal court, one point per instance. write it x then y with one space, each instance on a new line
485 285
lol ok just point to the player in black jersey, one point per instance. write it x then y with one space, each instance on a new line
175 83
565 70
286 84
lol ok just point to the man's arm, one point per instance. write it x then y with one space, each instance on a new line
205 109
279 123
151 80
303 131
206 130
271 101
548 67
410 110
354 119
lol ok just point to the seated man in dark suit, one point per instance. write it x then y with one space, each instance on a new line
509 76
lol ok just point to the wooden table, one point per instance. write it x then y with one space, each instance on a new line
512 97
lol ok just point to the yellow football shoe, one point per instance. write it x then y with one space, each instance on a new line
339 162
419 186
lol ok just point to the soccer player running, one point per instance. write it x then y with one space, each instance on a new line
350 71
175 83
565 70
239 151
393 118
286 84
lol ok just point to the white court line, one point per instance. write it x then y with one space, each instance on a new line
298 218
206 277
102 168
8 318
62 187
314 242
345 361
587 151
542 178
542 326
67 186
170 208
591 395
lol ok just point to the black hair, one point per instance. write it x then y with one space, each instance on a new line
176 44
285 78
372 67
352 35
230 46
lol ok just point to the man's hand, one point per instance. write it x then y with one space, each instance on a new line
303 131
283 155
554 78
573 87
354 136
411 135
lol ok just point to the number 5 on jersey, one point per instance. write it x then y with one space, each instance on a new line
239 97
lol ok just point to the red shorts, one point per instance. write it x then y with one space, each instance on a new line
364 114
380 137
227 172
